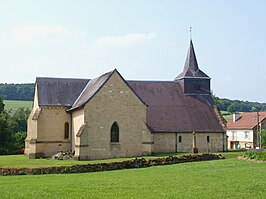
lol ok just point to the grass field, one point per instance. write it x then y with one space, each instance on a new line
227 115
229 178
12 105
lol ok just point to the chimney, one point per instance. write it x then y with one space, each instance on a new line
236 116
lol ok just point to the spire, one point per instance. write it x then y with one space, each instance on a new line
191 60
191 68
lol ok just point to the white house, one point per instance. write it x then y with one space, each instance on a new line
243 128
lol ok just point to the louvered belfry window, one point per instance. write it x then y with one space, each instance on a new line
114 133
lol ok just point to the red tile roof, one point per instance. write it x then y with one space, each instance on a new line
248 120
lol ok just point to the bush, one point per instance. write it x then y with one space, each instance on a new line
259 154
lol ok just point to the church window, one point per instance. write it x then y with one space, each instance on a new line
180 138
66 130
208 138
114 133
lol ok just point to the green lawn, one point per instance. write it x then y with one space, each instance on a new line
12 105
229 178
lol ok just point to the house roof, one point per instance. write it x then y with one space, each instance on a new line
191 69
169 110
247 120
59 91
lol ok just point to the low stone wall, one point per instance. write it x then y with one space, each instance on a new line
128 164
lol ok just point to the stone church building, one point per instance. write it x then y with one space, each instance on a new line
110 117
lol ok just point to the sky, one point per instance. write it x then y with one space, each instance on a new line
142 39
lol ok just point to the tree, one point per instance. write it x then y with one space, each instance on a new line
263 138
5 133
12 129
2 105
18 121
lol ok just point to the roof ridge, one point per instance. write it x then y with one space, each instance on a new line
92 81
65 78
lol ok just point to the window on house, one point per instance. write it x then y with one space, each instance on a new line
246 135
114 133
208 138
180 138
233 135
66 130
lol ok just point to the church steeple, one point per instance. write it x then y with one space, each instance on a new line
191 60
192 79
191 68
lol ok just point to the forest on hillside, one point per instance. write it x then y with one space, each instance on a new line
238 105
25 92
22 92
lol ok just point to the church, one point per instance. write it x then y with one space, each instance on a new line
108 116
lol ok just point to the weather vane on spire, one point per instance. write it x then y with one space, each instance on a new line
190 32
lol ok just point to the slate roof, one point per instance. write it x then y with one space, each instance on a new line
91 89
169 110
59 91
247 120
191 69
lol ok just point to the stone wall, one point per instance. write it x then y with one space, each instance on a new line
128 164
164 142
170 142
51 131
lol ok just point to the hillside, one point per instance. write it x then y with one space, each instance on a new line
11 106
238 106
22 92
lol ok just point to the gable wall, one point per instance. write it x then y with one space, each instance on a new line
115 102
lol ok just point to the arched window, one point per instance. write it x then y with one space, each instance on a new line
114 133
66 130
208 138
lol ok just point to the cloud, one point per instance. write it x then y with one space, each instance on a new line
25 33
125 40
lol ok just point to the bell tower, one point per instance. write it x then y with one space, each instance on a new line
192 79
